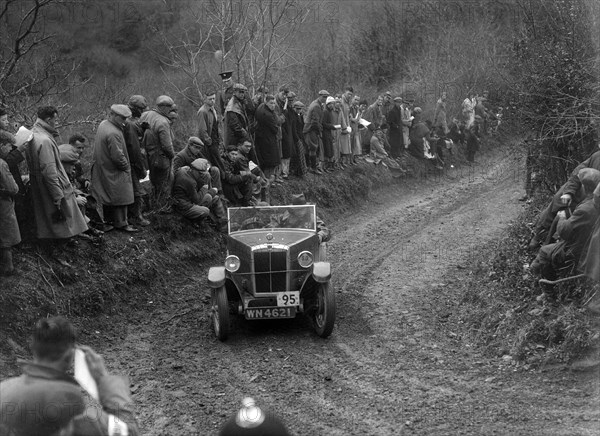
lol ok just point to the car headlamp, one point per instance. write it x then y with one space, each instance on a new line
232 263
305 259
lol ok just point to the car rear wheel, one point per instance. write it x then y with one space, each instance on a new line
220 313
324 313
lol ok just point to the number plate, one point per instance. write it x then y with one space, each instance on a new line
288 298
270 312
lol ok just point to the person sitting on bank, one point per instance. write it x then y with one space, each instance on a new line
193 197
46 400
237 181
573 232
196 149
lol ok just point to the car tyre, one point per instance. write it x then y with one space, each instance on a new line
324 310
220 313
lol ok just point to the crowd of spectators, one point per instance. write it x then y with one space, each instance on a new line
242 146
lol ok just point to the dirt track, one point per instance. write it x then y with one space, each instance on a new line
393 365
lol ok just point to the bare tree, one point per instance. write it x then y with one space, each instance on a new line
252 38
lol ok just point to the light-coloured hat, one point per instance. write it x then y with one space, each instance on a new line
323 92
164 100
121 109
398 99
239 87
298 104
200 164
330 99
195 140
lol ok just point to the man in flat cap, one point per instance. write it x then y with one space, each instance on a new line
208 130
134 133
158 143
112 185
226 92
236 119
313 129
194 199
57 215
573 232
196 149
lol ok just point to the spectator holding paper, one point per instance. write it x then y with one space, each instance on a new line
46 400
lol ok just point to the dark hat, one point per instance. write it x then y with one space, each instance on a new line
323 92
417 110
231 148
298 199
262 89
291 94
284 89
138 101
388 93
200 164
252 421
239 87
121 109
195 140
226 75
297 104
164 100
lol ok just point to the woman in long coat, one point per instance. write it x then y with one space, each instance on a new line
267 128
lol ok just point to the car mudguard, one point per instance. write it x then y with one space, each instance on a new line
216 276
321 272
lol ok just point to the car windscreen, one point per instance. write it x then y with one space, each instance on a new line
272 217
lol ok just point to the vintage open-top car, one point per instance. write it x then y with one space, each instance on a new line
275 268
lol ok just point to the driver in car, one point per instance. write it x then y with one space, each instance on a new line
300 218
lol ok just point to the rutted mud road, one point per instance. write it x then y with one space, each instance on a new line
392 366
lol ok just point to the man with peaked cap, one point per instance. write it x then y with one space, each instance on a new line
208 130
387 105
313 129
158 143
573 232
193 197
111 183
133 133
226 92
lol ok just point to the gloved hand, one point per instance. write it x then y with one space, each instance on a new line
566 199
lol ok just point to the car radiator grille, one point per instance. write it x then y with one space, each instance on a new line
270 268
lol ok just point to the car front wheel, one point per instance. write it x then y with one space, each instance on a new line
324 314
220 313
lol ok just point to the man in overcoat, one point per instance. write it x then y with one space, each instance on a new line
111 172
158 143
268 124
396 138
57 215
